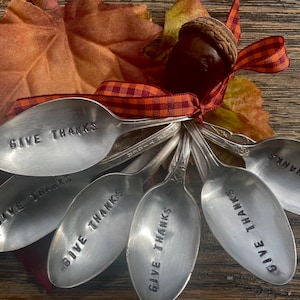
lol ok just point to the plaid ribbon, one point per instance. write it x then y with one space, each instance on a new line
267 55
127 100
135 100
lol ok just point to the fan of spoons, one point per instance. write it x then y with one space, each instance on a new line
66 155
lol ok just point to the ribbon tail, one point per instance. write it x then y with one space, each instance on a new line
233 20
268 55
215 97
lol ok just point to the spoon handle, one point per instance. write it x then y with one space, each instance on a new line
238 149
126 126
212 161
154 164
179 163
125 155
147 143
200 161
229 135
142 160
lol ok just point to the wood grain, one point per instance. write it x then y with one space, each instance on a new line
216 275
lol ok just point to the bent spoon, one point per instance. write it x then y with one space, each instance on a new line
245 216
32 207
275 160
95 228
164 237
64 136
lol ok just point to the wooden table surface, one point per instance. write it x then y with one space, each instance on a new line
216 274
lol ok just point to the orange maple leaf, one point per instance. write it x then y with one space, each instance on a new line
72 49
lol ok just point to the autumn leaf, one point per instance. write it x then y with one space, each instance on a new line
46 4
242 110
72 49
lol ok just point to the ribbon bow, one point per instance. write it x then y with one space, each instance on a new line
135 100
267 55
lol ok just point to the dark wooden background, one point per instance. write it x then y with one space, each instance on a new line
216 275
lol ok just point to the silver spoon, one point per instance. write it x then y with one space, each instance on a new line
95 228
246 218
223 132
63 136
32 207
275 160
165 235
131 139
